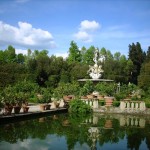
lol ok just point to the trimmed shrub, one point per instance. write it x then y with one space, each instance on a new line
78 106
116 103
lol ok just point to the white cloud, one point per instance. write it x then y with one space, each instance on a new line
89 25
86 30
22 51
83 36
26 36
64 55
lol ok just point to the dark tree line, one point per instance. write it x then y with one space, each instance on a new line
49 71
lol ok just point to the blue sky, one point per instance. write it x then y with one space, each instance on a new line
53 24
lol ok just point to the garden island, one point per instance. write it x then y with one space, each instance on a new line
101 97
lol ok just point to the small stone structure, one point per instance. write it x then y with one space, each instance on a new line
92 102
132 105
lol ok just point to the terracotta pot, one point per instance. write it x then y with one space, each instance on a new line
67 98
17 109
90 96
8 111
108 101
47 107
42 107
25 109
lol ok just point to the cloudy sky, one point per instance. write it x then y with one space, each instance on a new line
53 24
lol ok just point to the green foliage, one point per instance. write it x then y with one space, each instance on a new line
66 89
79 107
37 67
88 56
101 102
137 56
120 96
74 53
144 77
78 71
116 103
45 95
105 88
88 88
147 105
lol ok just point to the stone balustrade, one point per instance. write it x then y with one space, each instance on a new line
132 105
132 122
123 121
92 102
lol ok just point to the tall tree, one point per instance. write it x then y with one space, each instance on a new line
10 55
89 55
148 55
136 55
74 53
144 77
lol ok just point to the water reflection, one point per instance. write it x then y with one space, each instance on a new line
130 121
66 131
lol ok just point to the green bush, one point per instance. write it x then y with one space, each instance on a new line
88 88
147 105
45 95
101 102
66 89
116 103
105 88
119 96
79 107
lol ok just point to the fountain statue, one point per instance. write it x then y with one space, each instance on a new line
95 71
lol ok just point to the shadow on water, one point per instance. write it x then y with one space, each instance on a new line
69 131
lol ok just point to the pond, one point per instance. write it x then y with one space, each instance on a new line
70 132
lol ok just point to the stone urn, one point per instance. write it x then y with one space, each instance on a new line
108 101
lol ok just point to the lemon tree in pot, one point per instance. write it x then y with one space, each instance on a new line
44 98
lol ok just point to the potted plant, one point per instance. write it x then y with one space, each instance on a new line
8 100
44 98
7 104
25 106
1 102
18 102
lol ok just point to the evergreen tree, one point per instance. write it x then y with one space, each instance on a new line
144 77
137 56
74 53
148 55
89 55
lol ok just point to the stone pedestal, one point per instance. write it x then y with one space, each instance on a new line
61 104
95 104
122 105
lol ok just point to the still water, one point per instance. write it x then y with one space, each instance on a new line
70 132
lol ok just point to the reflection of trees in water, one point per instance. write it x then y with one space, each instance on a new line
75 129
134 138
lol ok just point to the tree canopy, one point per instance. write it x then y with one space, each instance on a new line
48 71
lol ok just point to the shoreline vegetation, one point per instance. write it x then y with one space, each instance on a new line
39 78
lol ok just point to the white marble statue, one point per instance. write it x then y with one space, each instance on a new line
95 71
